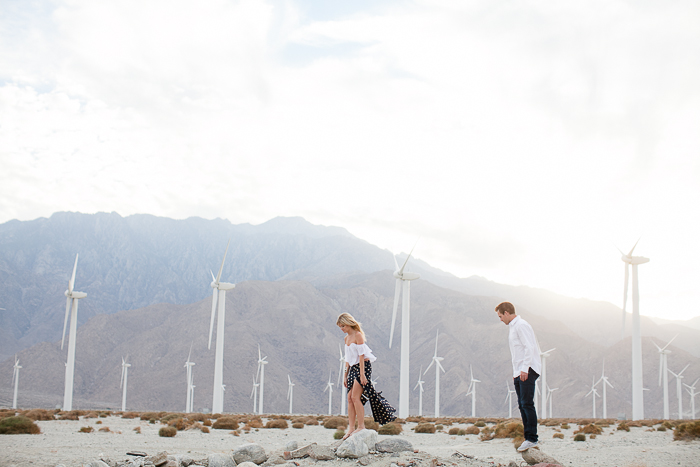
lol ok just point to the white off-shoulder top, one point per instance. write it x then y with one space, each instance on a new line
353 352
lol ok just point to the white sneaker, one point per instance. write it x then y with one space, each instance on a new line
526 445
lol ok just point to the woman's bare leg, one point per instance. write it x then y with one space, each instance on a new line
359 409
351 415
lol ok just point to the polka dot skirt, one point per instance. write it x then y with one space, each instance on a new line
382 411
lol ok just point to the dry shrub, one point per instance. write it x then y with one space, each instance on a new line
226 423
92 415
549 422
247 428
130 415
580 437
415 419
425 428
623 426
204 429
197 417
509 430
167 431
68 415
234 432
517 442
311 421
390 429
105 429
179 423
472 430
6 413
279 423
98 422
635 423
589 429
170 416
86 429
198 426
138 430
18 426
439 427
152 415
558 435
370 424
333 423
661 428
480 423
565 426
486 434
284 417
593 436
206 422
298 425
687 431
255 423
105 414
338 434
453 431
38 414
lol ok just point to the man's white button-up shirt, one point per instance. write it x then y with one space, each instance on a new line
524 349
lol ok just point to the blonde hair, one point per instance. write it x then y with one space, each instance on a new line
348 320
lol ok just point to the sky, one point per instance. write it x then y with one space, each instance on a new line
522 141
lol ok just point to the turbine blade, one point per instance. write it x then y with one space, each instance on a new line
431 364
624 297
408 257
436 342
213 313
635 246
669 342
684 368
397 292
65 321
190 354
71 283
396 265
218 277
440 366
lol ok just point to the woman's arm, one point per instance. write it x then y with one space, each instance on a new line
345 375
363 378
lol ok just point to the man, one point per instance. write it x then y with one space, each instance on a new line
527 364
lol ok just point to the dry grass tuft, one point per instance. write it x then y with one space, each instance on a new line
472 430
517 442
298 425
279 423
138 430
18 426
226 423
486 434
130 415
558 435
390 429
86 429
623 426
167 431
509 430
179 423
590 429
338 434
333 423
206 422
580 437
38 414
105 429
425 428
687 431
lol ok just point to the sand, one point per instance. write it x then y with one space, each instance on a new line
61 443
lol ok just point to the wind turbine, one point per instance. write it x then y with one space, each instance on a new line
188 367
122 383
290 393
679 390
344 391
254 395
71 296
509 399
192 386
549 396
603 379
329 388
15 379
262 361
544 356
593 392
691 391
220 289
420 393
663 373
438 367
472 390
637 383
403 278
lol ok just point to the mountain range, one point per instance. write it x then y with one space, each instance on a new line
147 280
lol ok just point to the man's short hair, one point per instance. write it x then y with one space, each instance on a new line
505 307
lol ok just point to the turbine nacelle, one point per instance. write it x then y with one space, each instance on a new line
406 276
634 259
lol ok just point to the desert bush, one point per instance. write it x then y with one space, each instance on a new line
278 423
226 423
593 436
179 423
517 442
415 419
311 421
167 431
105 414
339 433
298 425
18 426
509 430
370 424
439 427
138 430
72 415
661 428
255 423
580 437
687 431
130 415
667 425
205 429
565 426
197 417
98 422
558 435
169 416
549 422
390 429
425 428
206 422
486 434
92 415
197 426
333 423
453 431
472 430
152 415
480 424
623 426
105 429
589 429
86 429
38 414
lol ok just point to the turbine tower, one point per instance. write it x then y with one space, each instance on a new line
663 373
15 380
192 386
329 388
637 383
438 367
549 397
403 278
679 390
509 399
544 356
254 395
603 379
290 393
188 367
691 391
262 361
344 391
220 289
122 383
420 393
472 390
71 296
594 393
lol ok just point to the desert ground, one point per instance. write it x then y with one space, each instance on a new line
61 442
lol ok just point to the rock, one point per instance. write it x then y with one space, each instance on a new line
513 464
274 459
394 445
159 459
184 460
366 460
534 456
354 447
291 446
247 464
369 437
249 453
321 453
220 460
299 453
97 463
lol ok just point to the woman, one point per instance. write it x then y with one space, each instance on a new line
358 369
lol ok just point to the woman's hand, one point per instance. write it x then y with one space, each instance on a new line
363 380
345 380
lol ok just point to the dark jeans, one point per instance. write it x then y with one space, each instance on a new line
525 390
